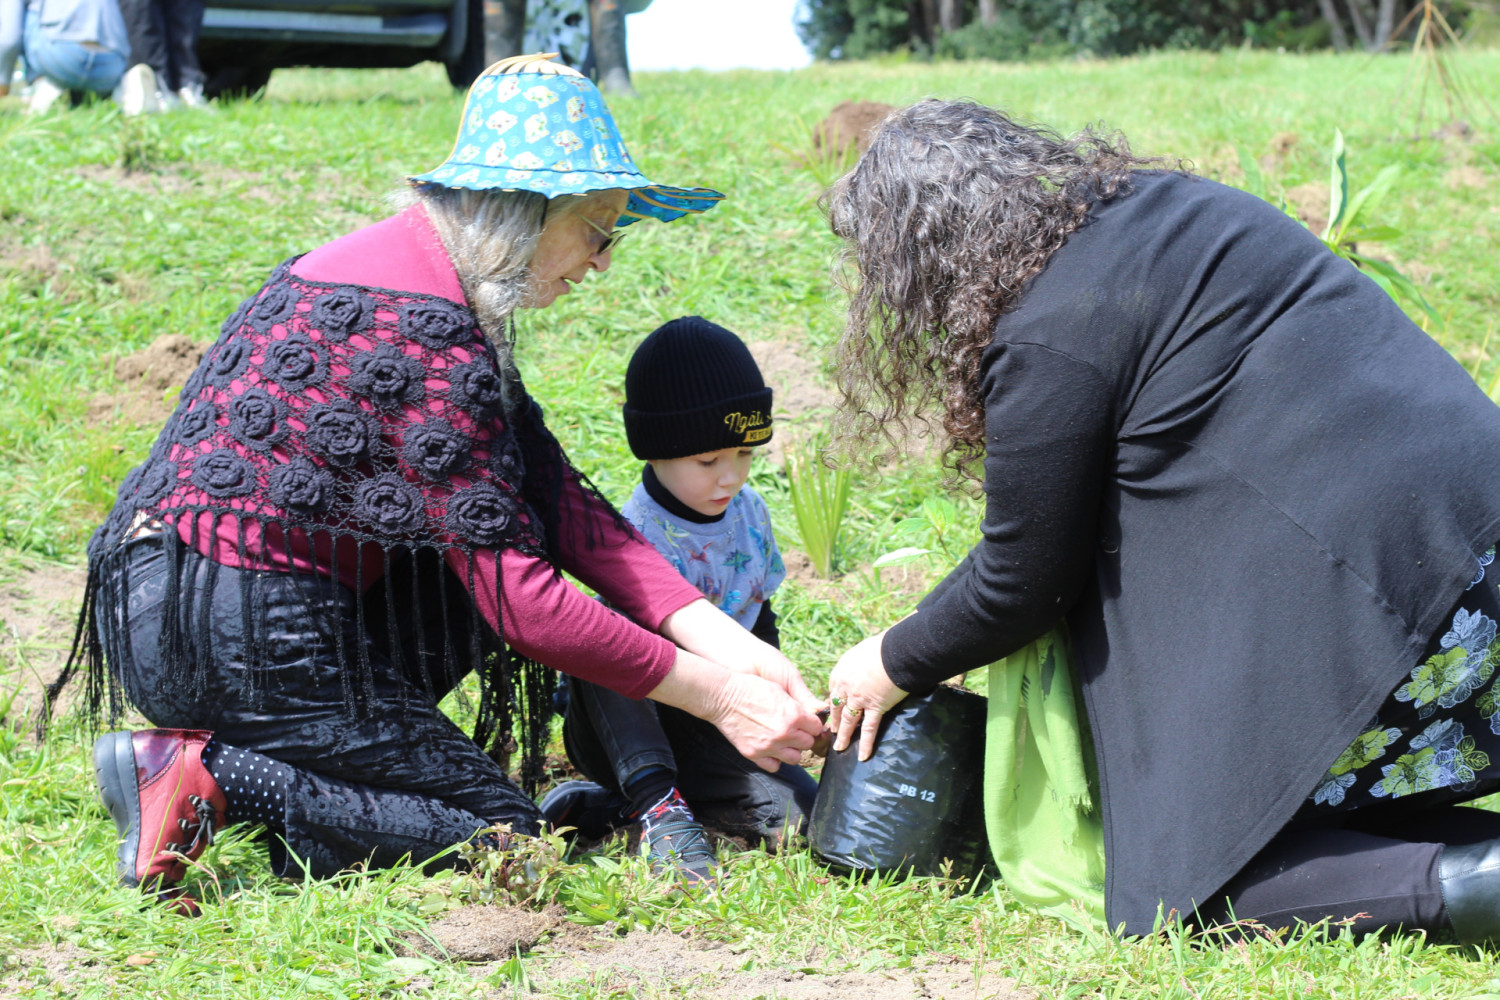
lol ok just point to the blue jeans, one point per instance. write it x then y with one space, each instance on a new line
70 65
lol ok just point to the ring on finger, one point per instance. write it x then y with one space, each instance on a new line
835 701
855 711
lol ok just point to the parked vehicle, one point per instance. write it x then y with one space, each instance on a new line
244 40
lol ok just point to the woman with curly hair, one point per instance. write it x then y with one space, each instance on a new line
1262 501
356 504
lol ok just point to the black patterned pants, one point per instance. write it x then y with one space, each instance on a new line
396 779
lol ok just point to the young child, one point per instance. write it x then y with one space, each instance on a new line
696 407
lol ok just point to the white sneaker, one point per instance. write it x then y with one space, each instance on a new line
192 97
169 99
44 93
137 93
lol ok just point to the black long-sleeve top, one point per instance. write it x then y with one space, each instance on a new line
1250 485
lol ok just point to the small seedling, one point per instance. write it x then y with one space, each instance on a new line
1347 227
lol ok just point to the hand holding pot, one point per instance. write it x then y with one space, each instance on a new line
860 692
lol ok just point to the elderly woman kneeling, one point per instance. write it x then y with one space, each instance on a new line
356 504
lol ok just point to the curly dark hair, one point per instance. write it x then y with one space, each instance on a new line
949 213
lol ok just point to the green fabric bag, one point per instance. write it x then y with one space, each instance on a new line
1040 790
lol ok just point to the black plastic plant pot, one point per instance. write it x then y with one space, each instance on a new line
918 801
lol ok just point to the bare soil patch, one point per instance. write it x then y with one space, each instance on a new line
662 963
1466 176
1282 145
803 400
30 260
38 606
488 933
1310 202
53 966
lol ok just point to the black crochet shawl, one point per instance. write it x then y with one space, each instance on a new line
335 414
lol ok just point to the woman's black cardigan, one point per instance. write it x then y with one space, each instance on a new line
1252 487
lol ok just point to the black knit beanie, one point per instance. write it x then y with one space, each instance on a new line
692 387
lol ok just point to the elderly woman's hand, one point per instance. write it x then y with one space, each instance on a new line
860 692
756 715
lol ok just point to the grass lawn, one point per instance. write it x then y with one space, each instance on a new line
114 233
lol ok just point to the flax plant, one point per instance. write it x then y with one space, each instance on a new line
820 498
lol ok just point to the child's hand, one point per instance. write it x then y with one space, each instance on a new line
701 628
769 663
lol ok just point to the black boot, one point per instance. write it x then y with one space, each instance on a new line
1469 875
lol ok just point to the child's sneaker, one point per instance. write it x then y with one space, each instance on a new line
675 841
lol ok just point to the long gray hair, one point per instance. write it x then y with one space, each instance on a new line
949 213
490 236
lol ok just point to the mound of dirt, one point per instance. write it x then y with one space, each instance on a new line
169 360
487 933
849 124
146 377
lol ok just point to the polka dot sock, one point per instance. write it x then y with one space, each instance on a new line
254 785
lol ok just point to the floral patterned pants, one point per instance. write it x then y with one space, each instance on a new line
1364 848
1438 734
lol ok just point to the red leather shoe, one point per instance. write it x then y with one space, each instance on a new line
165 804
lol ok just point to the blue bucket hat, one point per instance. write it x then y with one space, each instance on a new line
531 124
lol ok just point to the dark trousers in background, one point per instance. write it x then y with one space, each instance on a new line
164 35
611 738
400 778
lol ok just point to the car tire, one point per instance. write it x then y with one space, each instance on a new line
236 82
470 62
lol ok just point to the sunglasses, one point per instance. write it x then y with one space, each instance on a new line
611 239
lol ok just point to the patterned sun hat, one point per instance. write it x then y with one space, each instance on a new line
531 124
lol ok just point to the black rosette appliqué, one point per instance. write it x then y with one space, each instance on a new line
197 424
148 482
226 361
435 449
505 458
386 377
194 384
294 363
237 318
340 314
476 387
275 306
257 420
390 505
223 474
482 515
301 486
436 324
339 432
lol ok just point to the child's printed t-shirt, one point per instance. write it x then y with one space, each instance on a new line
733 561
